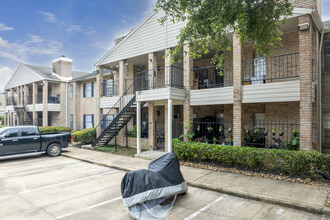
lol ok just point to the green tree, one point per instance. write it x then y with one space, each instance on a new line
209 23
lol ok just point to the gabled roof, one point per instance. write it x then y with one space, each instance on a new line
151 36
27 73
148 36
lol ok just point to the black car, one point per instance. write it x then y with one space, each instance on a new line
27 139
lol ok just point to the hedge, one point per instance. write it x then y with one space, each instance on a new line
295 163
54 129
86 136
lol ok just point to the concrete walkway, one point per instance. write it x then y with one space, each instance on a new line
293 195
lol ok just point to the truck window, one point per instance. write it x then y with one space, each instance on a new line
28 132
10 133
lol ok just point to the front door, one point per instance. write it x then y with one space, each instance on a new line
10 144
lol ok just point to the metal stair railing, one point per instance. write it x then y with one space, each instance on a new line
129 94
17 110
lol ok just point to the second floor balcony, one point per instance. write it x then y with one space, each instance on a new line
162 77
270 69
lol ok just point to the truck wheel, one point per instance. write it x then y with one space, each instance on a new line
54 150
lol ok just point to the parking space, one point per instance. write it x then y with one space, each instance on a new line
62 188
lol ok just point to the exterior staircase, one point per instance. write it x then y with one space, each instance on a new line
24 118
128 109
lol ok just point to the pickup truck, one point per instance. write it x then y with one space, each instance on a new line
27 139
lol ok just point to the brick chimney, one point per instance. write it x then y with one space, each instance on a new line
62 66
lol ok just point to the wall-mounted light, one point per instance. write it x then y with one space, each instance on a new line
150 60
303 27
96 71
126 64
41 84
117 66
185 53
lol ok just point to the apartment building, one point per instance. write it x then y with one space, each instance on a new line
253 101
39 95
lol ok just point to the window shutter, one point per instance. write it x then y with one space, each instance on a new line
93 120
84 121
104 84
84 90
92 85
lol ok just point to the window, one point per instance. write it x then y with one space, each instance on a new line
88 121
11 133
71 121
28 132
71 91
327 56
88 90
108 87
326 129
260 120
107 120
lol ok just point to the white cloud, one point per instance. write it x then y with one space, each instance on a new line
35 45
48 16
4 43
3 27
73 29
5 74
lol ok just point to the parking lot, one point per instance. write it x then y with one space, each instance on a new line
41 187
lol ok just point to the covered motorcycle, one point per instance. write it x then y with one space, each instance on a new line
144 192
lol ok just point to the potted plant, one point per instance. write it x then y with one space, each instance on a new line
198 128
209 129
246 129
230 129
294 133
256 131
220 129
281 132
229 141
215 140
265 132
273 132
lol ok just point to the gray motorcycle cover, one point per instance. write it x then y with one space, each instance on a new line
144 191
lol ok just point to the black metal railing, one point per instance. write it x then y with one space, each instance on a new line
11 100
54 98
29 99
266 70
111 89
213 131
169 76
273 134
211 77
39 98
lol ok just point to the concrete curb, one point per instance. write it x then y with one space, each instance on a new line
238 193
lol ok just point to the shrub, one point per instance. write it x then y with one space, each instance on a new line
133 132
2 126
86 136
295 163
54 129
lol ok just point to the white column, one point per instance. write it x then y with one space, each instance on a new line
138 124
169 125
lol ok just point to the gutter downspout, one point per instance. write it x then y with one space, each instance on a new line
320 91
66 104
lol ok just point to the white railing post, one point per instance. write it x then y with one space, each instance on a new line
138 124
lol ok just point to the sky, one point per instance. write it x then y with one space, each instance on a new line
39 31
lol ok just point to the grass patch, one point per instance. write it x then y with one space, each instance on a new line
121 150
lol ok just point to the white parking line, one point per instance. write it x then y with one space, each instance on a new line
17 163
39 170
63 183
204 208
88 208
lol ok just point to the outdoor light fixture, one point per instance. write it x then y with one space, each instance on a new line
42 84
185 53
303 27
117 66
126 64
150 60
96 71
